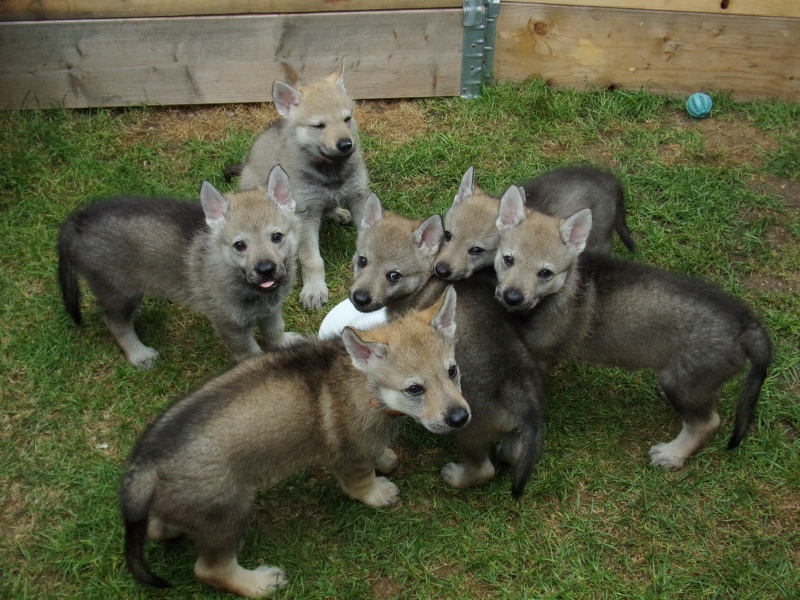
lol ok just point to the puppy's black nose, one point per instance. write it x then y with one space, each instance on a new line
362 299
442 270
344 145
265 268
513 297
457 418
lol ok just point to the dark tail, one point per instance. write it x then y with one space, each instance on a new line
530 436
621 225
135 505
67 275
232 171
758 348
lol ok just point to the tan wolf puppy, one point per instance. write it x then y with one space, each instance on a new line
316 142
598 309
393 267
232 258
470 234
330 403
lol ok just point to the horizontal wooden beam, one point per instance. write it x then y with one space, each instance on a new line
674 53
757 8
25 10
202 60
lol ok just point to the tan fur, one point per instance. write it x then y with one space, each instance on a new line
329 404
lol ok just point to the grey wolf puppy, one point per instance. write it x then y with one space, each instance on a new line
316 142
470 234
232 258
393 267
335 404
603 310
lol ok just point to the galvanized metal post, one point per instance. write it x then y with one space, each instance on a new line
477 60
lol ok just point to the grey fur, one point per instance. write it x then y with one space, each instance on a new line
126 248
499 377
333 404
590 308
471 237
316 142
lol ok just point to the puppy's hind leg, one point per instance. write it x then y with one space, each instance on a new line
700 421
475 467
119 314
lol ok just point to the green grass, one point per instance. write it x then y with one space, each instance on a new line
704 198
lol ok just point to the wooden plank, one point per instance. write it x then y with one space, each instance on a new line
664 52
759 8
24 10
201 60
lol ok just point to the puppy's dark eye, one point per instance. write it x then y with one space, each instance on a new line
508 260
362 261
319 126
452 371
277 237
476 251
239 246
415 390
545 274
394 276
348 119
447 235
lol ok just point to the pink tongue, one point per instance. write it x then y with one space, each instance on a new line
267 284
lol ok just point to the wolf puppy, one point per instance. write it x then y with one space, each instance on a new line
470 234
393 267
231 258
599 309
316 142
333 404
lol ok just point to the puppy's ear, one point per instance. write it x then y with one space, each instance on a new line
285 97
215 206
279 190
373 211
512 208
363 354
575 230
429 235
445 318
467 187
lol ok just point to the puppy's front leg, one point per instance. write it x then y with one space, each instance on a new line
360 483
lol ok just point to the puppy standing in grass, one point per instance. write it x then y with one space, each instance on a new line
316 142
231 258
470 233
332 404
393 268
599 309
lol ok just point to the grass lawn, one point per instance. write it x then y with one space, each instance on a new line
717 198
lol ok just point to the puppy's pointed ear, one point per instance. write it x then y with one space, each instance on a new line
467 187
429 235
337 76
512 208
575 230
373 211
215 206
279 189
363 354
285 97
445 318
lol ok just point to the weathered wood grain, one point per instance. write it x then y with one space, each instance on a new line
200 60
673 53
24 10
760 8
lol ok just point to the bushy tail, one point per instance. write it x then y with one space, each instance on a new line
621 226
232 171
135 497
758 348
67 275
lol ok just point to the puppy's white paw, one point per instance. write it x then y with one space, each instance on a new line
662 455
339 215
269 579
387 462
458 476
144 357
383 493
313 296
289 338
